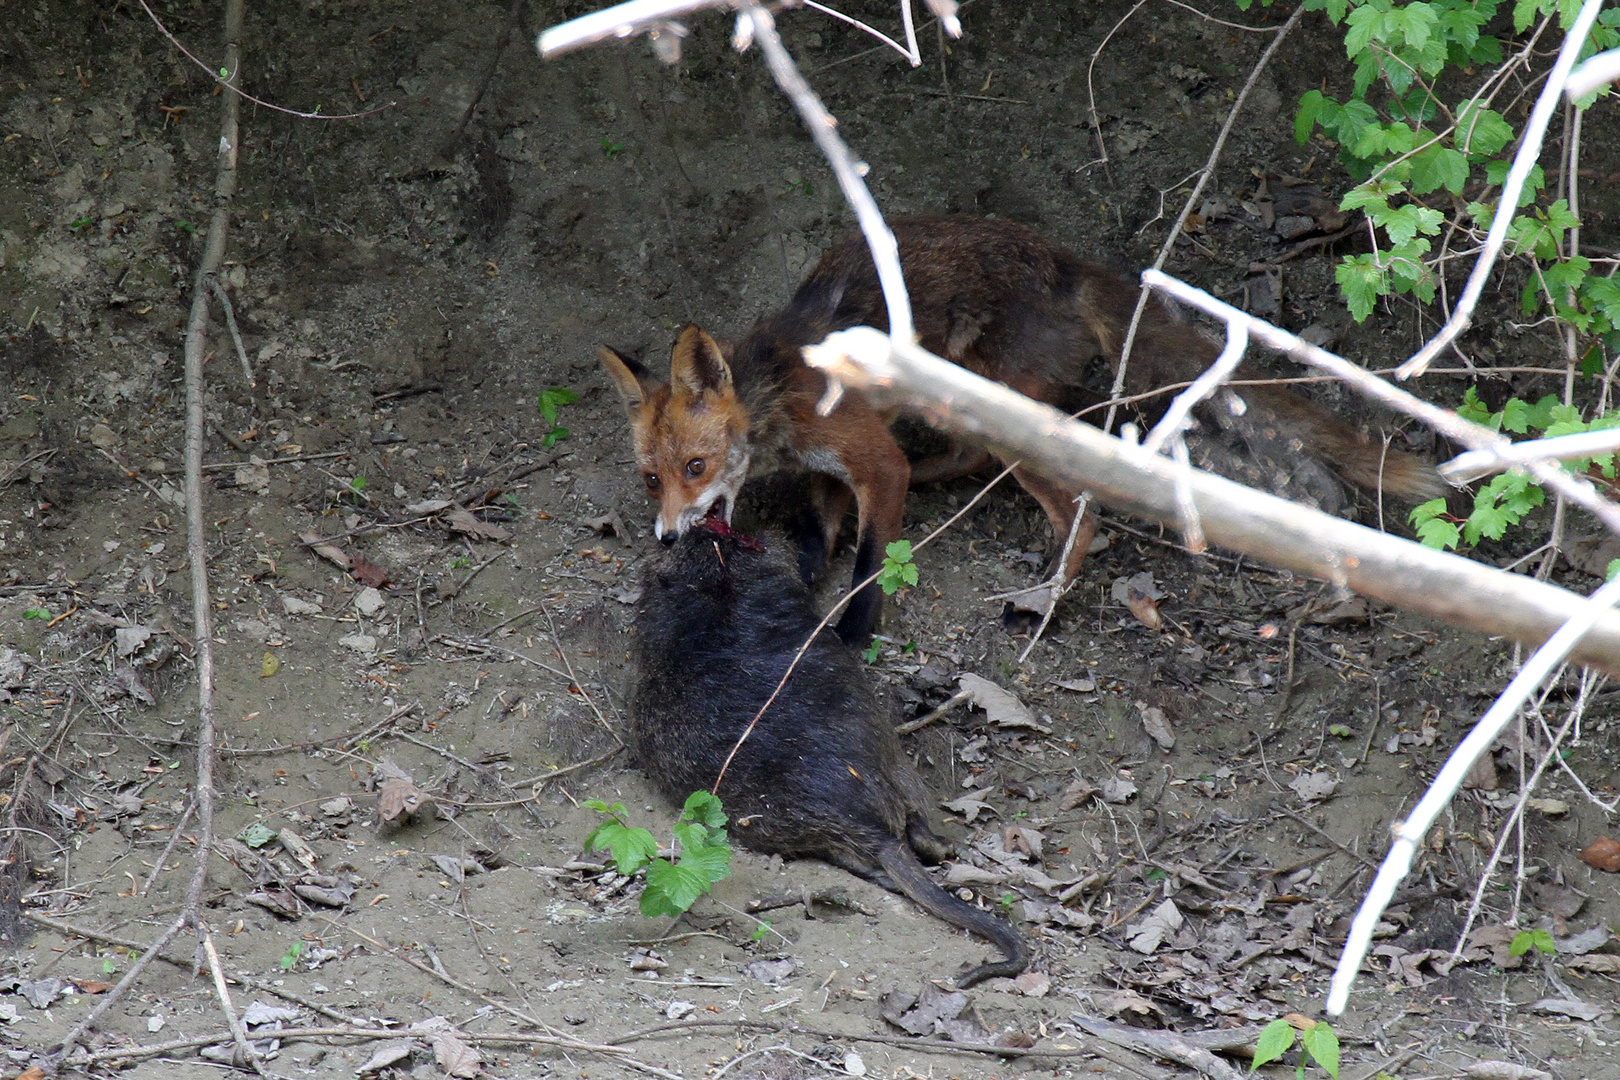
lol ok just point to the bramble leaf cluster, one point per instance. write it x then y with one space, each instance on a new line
1415 146
1509 496
702 852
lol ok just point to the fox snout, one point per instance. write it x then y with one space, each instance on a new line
668 539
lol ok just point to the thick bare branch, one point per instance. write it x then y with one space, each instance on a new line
1399 572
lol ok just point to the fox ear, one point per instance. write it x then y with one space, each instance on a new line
634 381
697 364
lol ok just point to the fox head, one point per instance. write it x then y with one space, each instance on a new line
690 433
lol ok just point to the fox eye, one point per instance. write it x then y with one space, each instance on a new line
695 467
653 483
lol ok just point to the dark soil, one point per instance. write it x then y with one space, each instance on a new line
406 287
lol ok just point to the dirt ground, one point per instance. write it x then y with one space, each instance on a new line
405 290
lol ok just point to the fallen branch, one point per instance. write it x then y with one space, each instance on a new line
196 540
1127 477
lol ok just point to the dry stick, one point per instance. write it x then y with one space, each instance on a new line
513 14
236 335
556 640
1091 91
1448 423
1288 536
1571 183
1473 465
1159 1044
1507 206
244 1048
71 930
196 542
1511 824
553 1037
1409 833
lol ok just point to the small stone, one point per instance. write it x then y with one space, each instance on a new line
369 601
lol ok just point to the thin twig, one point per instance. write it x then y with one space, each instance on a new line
244 1048
1524 159
229 77
1409 833
1476 464
553 1037
1204 175
1448 423
236 335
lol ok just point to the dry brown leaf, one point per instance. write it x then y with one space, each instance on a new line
1607 963
1314 787
1160 923
971 805
1157 724
94 986
462 521
298 848
1141 594
330 552
398 798
33 1072
1503 1070
1602 854
1033 983
1145 608
1076 793
1001 706
367 572
455 1057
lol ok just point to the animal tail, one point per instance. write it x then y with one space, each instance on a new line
908 874
1367 464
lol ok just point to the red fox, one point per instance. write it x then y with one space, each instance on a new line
986 293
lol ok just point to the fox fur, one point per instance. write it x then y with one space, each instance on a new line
989 294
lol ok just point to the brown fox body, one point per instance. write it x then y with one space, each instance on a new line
988 294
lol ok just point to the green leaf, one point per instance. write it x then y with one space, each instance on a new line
1405 223
713 863
1515 416
897 569
550 399
1322 1044
1311 104
1362 281
631 847
705 808
671 888
1481 132
1439 167
289 959
1274 1041
1542 414
1611 571
1474 409
1432 528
